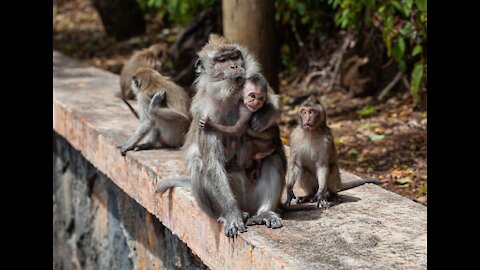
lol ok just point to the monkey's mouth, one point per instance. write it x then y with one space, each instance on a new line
237 79
307 126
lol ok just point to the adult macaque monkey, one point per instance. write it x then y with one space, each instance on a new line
163 106
254 145
313 158
152 57
222 193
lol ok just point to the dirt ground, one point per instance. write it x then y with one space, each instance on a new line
386 140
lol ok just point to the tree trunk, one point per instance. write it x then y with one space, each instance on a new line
122 19
251 23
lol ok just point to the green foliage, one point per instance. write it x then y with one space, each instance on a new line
403 26
177 11
424 189
298 15
376 137
366 111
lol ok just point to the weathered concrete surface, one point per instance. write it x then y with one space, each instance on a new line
97 226
374 228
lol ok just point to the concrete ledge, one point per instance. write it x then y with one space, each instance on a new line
373 228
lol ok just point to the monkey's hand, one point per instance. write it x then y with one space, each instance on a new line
204 123
124 149
233 225
157 99
269 219
290 196
321 201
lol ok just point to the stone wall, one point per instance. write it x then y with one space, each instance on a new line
98 226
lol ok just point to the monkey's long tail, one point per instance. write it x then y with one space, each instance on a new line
360 182
173 182
131 108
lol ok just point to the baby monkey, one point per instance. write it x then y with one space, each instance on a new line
256 145
313 158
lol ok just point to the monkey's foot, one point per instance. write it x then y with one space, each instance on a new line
305 199
233 226
290 196
270 219
321 201
245 216
124 149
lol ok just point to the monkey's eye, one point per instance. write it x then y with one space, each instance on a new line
221 60
136 81
252 95
303 112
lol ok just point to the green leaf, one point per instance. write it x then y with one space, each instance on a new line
366 125
424 189
388 42
366 111
376 137
402 66
406 29
406 10
397 5
381 9
401 45
301 9
370 4
417 75
404 180
422 5
398 49
418 49
369 169
408 3
352 152
344 22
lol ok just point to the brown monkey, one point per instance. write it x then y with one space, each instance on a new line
313 158
151 57
163 108
221 192
255 145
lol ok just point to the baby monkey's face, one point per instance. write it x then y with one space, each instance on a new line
253 96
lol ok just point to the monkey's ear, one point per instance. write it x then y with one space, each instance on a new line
199 68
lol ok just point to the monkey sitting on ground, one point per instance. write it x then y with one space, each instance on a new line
152 57
219 191
163 106
256 145
313 158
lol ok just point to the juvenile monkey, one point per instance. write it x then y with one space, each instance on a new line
313 158
256 145
163 108
151 57
220 192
